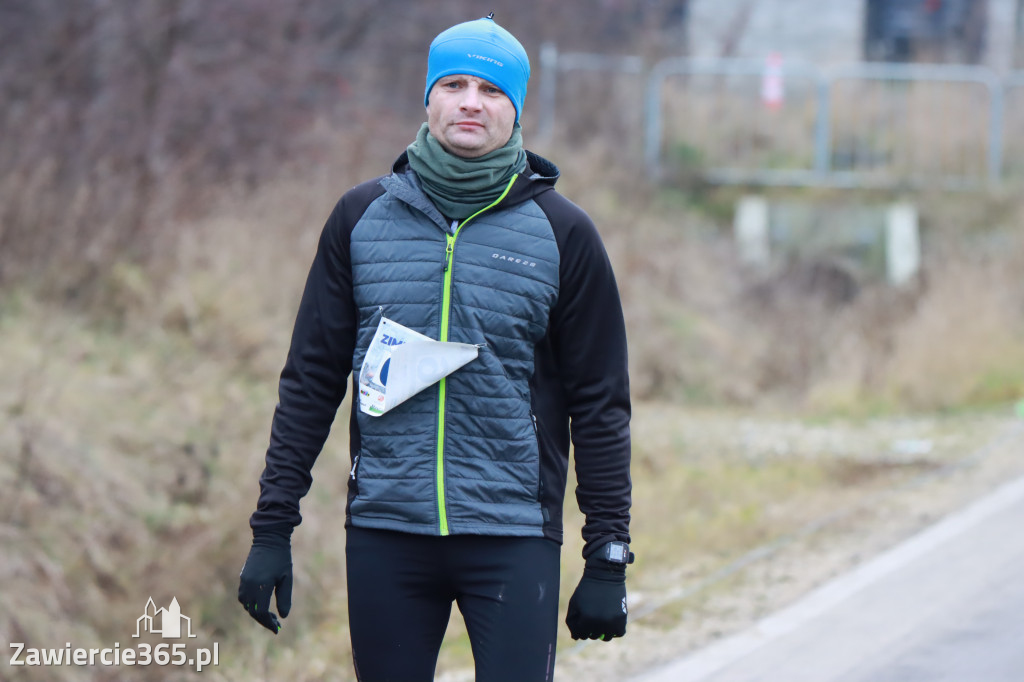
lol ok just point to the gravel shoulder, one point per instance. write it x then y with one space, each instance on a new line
968 457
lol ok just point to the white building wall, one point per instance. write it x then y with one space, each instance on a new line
817 31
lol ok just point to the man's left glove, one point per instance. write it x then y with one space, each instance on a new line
268 568
597 609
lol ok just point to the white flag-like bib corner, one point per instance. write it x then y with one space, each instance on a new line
400 363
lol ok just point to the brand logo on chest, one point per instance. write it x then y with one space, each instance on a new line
512 260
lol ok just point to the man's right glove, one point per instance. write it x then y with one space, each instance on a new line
597 609
268 568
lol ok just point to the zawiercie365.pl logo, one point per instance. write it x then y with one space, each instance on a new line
169 623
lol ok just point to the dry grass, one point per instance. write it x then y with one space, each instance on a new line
136 457
133 439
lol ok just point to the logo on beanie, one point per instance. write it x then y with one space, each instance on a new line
486 59
483 49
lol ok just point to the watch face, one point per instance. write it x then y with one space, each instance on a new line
617 552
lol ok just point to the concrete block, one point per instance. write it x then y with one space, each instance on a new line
902 244
750 226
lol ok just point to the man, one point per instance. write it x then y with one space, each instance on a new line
456 493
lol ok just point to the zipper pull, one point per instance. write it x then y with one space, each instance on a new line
448 255
355 463
450 238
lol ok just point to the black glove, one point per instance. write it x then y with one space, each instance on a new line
268 567
597 609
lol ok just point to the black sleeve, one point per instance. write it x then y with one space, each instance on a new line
589 338
313 381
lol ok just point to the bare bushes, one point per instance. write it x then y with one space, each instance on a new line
964 342
814 336
819 334
123 119
813 331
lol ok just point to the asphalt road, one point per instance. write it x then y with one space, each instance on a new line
945 606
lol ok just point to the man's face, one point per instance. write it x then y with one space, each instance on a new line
469 116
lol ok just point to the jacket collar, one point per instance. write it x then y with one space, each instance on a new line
540 176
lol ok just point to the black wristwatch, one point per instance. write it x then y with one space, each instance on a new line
616 552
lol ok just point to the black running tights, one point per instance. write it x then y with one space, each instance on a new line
400 592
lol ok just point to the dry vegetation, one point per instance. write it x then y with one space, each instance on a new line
133 440
140 341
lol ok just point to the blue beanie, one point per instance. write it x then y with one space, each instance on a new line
483 49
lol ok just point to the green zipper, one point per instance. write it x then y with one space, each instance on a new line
446 303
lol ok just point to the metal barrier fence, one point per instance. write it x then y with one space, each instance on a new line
1013 121
721 126
554 63
921 124
860 125
868 125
